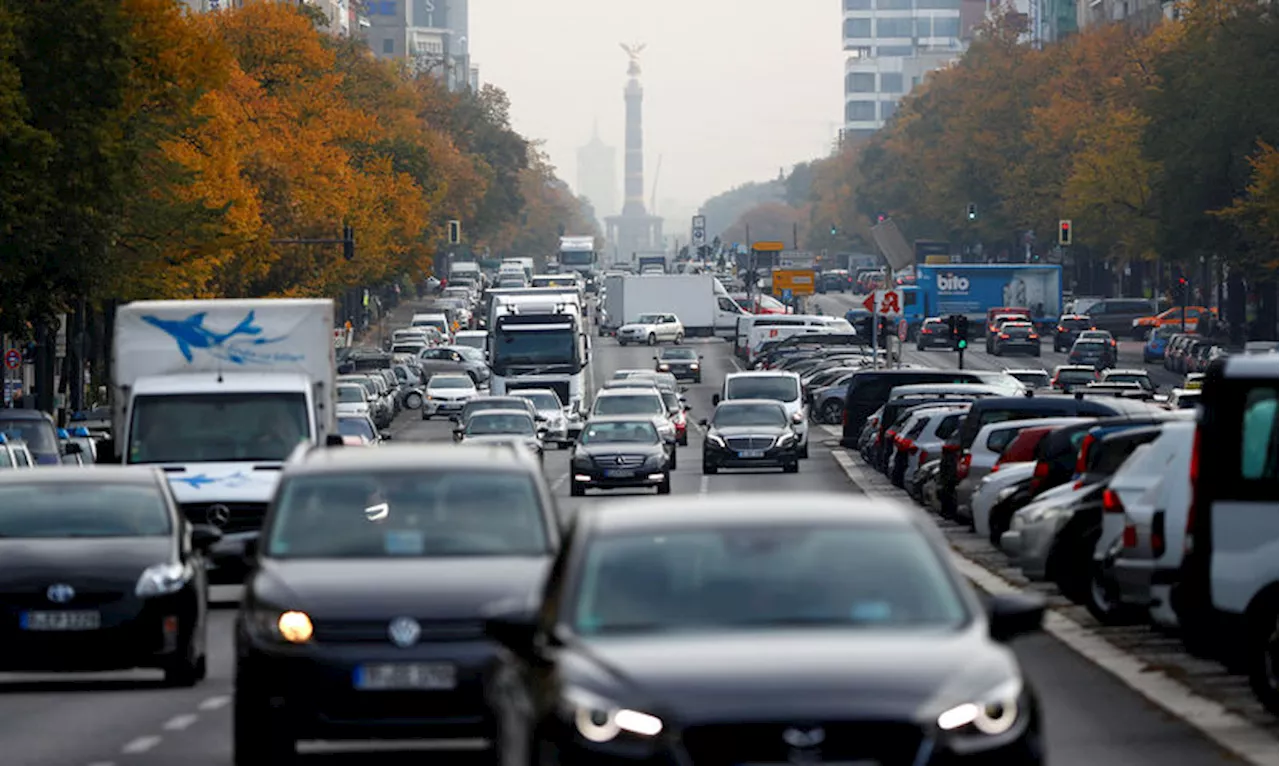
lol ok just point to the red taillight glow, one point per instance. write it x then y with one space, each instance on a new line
962 470
1033 336
1082 458
924 457
1130 539
1111 502
1194 475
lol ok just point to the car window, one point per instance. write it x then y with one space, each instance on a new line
1000 438
357 427
648 404
764 578
1258 435
917 427
22 457
728 416
450 381
82 509
420 514
780 388
492 423
37 433
948 425
543 401
350 394
678 353
634 432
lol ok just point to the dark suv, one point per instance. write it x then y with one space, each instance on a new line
1069 328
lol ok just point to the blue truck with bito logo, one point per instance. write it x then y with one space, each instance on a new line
972 289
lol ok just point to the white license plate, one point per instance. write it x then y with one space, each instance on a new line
406 675
750 453
619 474
84 620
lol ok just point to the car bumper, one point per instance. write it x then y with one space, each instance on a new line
133 633
312 690
775 457
1005 347
684 372
931 340
1133 580
595 478
433 407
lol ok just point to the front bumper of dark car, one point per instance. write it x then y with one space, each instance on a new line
604 477
682 371
728 457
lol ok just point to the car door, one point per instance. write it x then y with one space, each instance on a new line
669 327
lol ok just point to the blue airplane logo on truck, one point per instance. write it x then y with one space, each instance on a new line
190 333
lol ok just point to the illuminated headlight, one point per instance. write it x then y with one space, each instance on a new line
599 720
693 365
992 714
716 440
163 579
785 440
290 626
664 367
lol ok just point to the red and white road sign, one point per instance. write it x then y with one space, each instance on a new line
13 358
902 330
885 303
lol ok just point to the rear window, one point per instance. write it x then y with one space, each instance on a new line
1001 438
1076 324
988 416
948 425
1106 458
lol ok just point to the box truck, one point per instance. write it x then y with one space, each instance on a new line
701 302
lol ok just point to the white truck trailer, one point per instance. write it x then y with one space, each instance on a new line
701 302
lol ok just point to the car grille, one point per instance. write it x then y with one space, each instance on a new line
240 517
749 442
375 631
620 461
879 743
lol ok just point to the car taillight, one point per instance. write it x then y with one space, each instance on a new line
1004 336
909 446
1061 328
1111 502
924 456
1038 476
1130 537
1033 336
1189 544
962 470
1082 458
926 331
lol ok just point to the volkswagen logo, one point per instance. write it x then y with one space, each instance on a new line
218 515
60 593
404 631
804 738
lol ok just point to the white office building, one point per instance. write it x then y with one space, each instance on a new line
890 45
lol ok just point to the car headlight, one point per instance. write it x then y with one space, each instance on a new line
993 713
290 626
784 440
716 440
599 720
162 579
664 367
693 366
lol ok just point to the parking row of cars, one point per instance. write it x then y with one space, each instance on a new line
1090 491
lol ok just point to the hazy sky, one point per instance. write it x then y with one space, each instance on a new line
734 89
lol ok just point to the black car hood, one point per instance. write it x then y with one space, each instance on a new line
79 562
597 451
812 674
772 432
452 588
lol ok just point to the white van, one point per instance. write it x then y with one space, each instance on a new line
748 322
783 387
437 320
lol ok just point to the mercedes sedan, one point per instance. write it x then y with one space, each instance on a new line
738 629
750 433
619 453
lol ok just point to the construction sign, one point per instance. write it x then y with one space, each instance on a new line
793 281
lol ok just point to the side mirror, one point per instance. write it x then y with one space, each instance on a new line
686 407
513 630
453 418
204 536
542 433
540 418
1013 615
715 400
71 448
704 423
385 436
797 418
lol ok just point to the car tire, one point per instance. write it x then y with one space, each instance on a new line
832 412
413 401
679 338
621 342
684 439
257 737
577 490
187 670
791 468
665 487
697 379
1102 602
1036 353
1262 658
709 469
425 416
804 451
672 465
653 339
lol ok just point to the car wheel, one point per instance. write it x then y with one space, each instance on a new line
413 401
665 487
791 468
425 416
1036 352
709 469
621 342
673 460
697 378
257 737
679 338
804 451
576 490
653 339
832 412
1101 600
684 439
187 670
1262 653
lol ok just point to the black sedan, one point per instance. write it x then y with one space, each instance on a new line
1016 337
763 629
1094 353
934 333
750 433
362 617
99 571
683 363
619 453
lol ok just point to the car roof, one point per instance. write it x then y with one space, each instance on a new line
101 474
1127 371
757 402
746 511
974 389
762 374
620 419
1032 370
632 390
1073 368
1252 366
520 392
488 413
23 414
412 457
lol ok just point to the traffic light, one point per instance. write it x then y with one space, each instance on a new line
972 212
1064 232
455 232
881 217
348 242
833 229
961 333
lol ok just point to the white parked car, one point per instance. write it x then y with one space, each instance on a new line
652 329
447 394
352 400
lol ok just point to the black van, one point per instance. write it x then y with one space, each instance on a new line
869 390
1117 314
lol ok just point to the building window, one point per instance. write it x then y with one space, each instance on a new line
938 5
860 82
857 28
894 27
859 111
938 26
858 51
388 45
888 109
890 82
893 5
857 5
896 50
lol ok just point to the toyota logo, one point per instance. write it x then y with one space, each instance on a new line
218 515
801 739
60 593
404 631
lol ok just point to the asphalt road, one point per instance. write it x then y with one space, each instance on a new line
127 719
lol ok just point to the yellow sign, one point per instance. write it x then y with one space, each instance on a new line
797 281
937 259
768 247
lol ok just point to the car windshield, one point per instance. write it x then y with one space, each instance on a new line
1032 379
357 427
544 400
1077 323
217 427
1099 335
82 509
410 514
408 348
1075 376
1141 380
631 432
777 387
678 353
1089 347
630 404
450 381
756 578
37 433
491 423
468 352
470 341
648 319
731 415
350 394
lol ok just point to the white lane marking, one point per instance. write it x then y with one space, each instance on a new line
1211 718
180 722
833 430
558 483
704 484
213 703
140 745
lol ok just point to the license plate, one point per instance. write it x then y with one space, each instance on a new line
619 474
406 675
750 453
87 620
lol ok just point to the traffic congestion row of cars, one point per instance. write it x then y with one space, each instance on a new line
1110 495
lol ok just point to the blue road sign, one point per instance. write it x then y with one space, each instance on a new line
786 293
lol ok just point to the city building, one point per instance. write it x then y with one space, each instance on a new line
1141 14
890 45
598 174
431 34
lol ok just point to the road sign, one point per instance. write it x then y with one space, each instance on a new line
884 303
786 293
699 229
13 358
793 282
902 330
768 247
455 232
